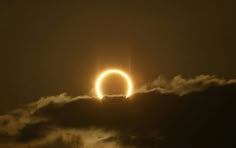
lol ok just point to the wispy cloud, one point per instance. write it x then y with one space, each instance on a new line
181 86
84 121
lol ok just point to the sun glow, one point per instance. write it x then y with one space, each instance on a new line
113 71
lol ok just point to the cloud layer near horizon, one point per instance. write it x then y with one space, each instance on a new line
182 86
151 117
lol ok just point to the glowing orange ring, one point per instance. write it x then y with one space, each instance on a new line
113 71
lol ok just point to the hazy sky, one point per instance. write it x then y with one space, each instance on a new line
52 47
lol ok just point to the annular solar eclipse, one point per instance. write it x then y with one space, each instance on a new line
108 72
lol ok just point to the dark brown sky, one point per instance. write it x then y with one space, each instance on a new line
53 47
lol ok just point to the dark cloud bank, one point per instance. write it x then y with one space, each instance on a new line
191 113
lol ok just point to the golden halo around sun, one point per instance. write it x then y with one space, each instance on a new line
113 71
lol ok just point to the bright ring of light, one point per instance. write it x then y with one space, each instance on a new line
113 71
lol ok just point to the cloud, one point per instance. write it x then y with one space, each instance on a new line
176 113
182 86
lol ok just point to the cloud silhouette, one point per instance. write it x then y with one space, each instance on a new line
196 112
